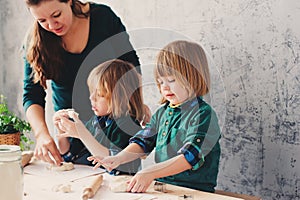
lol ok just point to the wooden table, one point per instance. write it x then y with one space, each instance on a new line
42 183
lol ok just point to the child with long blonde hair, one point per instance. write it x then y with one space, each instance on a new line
116 99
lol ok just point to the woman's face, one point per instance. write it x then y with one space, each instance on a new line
53 15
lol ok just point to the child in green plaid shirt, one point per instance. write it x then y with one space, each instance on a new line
116 99
184 131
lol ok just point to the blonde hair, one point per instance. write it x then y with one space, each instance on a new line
187 62
119 82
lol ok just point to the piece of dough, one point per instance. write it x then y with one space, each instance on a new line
65 188
65 166
72 111
119 183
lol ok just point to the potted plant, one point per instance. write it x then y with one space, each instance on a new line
13 128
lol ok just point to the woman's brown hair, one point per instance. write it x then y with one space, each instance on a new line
187 62
119 82
44 50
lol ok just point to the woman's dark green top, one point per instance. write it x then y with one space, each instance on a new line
107 40
190 129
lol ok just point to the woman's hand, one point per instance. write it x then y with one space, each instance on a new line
45 146
140 182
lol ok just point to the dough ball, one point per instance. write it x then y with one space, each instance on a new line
65 166
65 188
119 183
72 112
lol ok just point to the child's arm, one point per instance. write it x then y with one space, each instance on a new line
77 129
141 181
63 142
169 167
130 153
63 145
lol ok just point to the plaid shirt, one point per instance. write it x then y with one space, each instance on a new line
113 134
190 129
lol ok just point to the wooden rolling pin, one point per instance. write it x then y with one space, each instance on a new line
91 190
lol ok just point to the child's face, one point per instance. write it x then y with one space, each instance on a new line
172 90
99 103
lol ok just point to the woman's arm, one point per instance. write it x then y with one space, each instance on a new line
45 148
34 103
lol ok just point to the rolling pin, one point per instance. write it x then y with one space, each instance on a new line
92 189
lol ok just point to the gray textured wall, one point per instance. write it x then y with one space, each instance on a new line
14 22
254 45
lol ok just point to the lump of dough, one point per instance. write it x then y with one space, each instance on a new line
119 183
65 166
72 111
65 188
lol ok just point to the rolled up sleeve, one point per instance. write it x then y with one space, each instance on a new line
193 155
146 138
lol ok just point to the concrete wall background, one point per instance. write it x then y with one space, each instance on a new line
14 22
254 45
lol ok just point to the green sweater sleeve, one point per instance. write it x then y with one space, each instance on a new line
33 93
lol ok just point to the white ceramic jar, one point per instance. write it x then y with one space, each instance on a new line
11 173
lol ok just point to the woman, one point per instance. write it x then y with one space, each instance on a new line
63 34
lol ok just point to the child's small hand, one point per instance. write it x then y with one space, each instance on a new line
109 162
97 161
140 182
67 127
61 114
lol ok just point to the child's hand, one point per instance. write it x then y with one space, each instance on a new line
67 127
140 182
57 118
97 161
109 162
